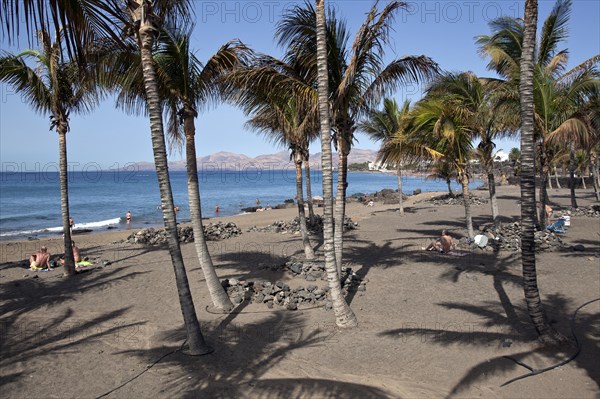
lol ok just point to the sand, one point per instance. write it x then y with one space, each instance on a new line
430 325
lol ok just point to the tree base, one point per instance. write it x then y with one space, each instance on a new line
212 309
554 338
206 350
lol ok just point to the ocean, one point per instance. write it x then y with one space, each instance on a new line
30 202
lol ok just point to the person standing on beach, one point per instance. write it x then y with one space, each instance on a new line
71 225
217 211
128 217
40 260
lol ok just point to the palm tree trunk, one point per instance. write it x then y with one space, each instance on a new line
597 169
309 199
528 208
583 182
146 34
595 178
449 188
464 179
556 178
69 265
572 174
400 198
493 198
344 316
340 203
544 199
216 290
308 249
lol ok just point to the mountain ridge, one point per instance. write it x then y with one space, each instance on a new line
276 161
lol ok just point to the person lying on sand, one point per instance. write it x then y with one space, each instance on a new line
444 244
76 254
40 260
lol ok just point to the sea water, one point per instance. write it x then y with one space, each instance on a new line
98 200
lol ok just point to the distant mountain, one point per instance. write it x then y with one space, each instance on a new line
280 160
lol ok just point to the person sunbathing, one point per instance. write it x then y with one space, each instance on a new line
76 254
40 260
444 244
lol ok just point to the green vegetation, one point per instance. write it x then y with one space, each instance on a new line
358 167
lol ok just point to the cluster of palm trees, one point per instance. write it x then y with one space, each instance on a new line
460 109
324 86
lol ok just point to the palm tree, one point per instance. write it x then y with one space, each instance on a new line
144 19
444 126
477 97
283 107
189 85
528 207
288 123
58 87
514 155
344 316
558 95
442 169
391 126
82 23
358 78
186 85
88 21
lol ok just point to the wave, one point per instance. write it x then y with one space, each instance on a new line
79 226
102 223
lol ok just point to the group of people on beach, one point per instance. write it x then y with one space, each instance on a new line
41 260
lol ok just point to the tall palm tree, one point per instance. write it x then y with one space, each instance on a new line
186 85
478 97
57 86
84 23
358 78
528 207
189 86
145 20
557 94
288 123
344 316
391 126
444 125
282 106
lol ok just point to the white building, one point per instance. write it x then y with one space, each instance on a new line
375 165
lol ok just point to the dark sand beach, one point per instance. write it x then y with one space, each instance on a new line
430 325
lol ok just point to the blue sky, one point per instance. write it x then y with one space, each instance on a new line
442 30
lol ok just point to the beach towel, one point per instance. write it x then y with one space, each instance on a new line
82 264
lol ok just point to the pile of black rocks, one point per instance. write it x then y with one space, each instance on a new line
590 212
388 196
315 226
212 232
508 237
385 196
281 294
456 200
277 293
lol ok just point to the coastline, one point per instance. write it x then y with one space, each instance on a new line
244 221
